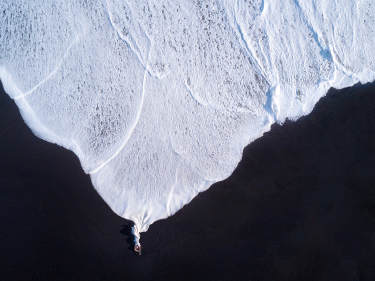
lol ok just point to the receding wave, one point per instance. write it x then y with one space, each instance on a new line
159 98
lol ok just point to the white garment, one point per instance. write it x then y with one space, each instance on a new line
136 235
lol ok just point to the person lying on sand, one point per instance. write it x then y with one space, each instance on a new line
137 244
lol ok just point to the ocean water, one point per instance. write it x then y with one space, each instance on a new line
159 98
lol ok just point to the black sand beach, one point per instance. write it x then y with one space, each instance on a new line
300 206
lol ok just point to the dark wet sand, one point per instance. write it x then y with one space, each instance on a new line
300 206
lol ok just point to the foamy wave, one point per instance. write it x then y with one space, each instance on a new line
159 98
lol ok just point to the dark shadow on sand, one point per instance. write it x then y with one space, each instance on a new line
126 231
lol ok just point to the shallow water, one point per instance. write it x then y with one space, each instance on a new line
159 99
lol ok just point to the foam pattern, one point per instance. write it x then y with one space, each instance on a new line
159 98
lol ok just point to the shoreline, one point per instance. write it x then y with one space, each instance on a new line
299 206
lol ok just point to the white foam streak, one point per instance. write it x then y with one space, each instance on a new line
52 73
129 133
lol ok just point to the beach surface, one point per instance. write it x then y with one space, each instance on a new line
300 206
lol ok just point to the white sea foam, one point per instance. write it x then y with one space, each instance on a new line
159 98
